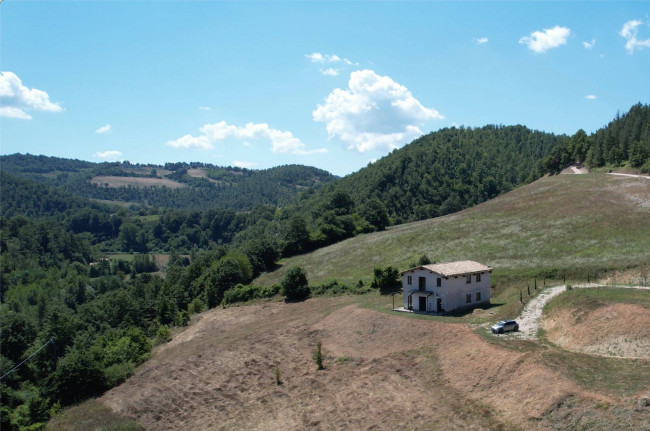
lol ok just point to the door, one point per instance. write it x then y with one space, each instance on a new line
422 283
423 304
438 305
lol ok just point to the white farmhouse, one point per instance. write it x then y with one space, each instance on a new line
443 287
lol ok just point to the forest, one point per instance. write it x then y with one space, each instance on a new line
84 297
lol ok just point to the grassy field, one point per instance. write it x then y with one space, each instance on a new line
587 300
562 226
136 182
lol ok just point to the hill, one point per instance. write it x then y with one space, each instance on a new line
382 371
565 225
174 185
445 171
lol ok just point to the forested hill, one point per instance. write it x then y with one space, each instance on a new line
447 170
29 199
174 185
624 142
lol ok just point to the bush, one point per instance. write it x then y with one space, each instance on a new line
386 279
163 335
117 373
294 285
241 293
318 356
196 306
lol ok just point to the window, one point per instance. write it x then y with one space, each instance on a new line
439 282
478 296
409 280
422 283
468 298
478 277
469 279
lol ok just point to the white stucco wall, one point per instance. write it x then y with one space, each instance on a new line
452 292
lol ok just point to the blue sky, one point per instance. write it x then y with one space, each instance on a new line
328 84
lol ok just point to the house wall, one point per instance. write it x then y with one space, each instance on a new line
430 287
456 289
452 292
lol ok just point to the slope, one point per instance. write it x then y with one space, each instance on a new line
567 225
382 371
169 186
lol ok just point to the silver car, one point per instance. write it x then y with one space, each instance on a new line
505 326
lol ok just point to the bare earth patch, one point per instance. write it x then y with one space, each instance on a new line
135 182
383 371
617 330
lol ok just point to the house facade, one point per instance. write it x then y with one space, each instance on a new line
444 287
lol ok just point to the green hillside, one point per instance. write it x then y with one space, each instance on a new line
206 186
562 225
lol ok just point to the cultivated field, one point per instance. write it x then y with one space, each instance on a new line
139 182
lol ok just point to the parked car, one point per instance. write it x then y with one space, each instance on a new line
505 326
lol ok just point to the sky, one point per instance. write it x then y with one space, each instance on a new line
336 85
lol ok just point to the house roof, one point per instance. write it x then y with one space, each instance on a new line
454 268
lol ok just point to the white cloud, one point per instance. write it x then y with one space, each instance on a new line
540 41
244 164
104 129
192 143
591 97
629 31
204 108
374 112
15 98
589 45
480 40
330 71
317 57
109 155
282 142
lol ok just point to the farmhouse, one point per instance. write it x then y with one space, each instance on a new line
443 287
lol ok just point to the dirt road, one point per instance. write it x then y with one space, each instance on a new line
530 319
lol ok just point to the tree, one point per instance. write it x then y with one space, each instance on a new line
385 279
294 285
296 237
375 213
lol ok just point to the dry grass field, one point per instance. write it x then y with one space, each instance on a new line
139 182
383 371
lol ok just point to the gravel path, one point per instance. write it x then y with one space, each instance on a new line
530 319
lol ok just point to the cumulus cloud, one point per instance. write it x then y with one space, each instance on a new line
480 40
104 129
282 142
244 164
589 45
15 98
330 71
591 97
109 155
317 57
541 41
629 32
374 112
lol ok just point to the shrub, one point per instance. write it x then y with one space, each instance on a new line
318 356
241 293
196 306
294 285
117 373
386 279
163 335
